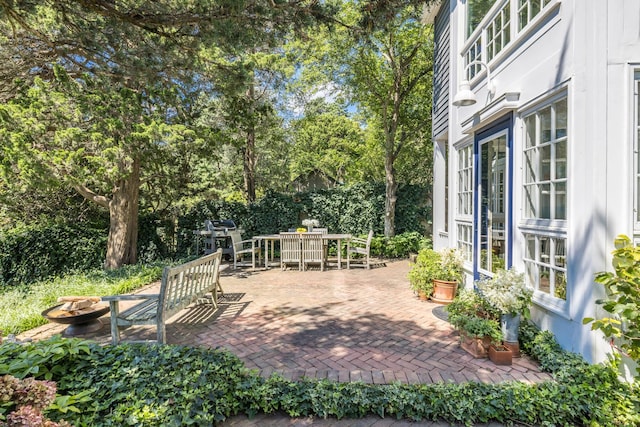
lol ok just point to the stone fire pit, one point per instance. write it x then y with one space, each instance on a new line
80 313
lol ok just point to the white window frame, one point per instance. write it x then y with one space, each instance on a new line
636 153
553 182
476 45
541 228
526 7
464 199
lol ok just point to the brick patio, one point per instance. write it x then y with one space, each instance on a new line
344 325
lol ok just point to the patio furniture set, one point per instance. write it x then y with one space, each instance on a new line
302 249
296 249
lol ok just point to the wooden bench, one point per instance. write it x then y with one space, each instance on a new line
181 286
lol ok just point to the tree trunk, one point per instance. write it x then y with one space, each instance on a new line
123 221
391 190
250 165
249 161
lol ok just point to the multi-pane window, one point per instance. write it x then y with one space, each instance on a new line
464 203
476 11
465 240
546 264
545 194
472 58
465 180
490 29
498 32
545 162
528 9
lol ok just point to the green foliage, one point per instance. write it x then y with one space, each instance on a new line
623 300
31 253
426 268
468 302
478 327
329 142
403 244
150 385
354 209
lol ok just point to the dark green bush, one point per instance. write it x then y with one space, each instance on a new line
37 252
353 210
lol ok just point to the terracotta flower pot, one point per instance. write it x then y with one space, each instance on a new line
422 295
477 347
500 355
444 291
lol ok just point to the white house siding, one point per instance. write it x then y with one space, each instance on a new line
589 50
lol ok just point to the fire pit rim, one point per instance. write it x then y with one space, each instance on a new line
76 318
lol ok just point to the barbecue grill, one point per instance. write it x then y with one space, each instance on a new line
216 235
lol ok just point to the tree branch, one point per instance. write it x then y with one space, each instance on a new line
91 196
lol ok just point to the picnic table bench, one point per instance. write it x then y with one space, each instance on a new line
180 286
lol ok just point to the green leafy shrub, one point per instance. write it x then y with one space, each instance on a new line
623 301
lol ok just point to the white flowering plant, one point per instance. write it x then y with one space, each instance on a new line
507 292
311 222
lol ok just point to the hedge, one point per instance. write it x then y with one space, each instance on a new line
40 251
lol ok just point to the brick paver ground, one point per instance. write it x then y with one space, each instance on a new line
344 325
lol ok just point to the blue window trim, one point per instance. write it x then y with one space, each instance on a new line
502 124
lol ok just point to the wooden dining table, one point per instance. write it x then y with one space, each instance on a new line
270 240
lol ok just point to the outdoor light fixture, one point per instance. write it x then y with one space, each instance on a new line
465 96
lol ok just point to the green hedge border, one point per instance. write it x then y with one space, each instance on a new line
150 385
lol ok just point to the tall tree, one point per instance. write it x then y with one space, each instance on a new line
328 141
99 71
383 54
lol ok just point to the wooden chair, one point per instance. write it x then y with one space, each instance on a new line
313 251
359 247
243 247
290 250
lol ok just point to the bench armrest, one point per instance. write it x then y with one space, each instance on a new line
130 297
357 241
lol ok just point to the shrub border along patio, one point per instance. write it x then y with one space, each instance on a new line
151 385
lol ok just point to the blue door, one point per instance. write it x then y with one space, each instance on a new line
493 208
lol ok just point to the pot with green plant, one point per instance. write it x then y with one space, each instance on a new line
423 272
507 292
445 284
477 333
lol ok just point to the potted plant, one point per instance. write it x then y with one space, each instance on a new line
422 273
477 333
507 292
445 284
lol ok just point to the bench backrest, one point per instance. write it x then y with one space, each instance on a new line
183 284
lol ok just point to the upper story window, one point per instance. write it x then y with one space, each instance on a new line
528 9
476 11
491 25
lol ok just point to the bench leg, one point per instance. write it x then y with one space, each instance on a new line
162 332
115 333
